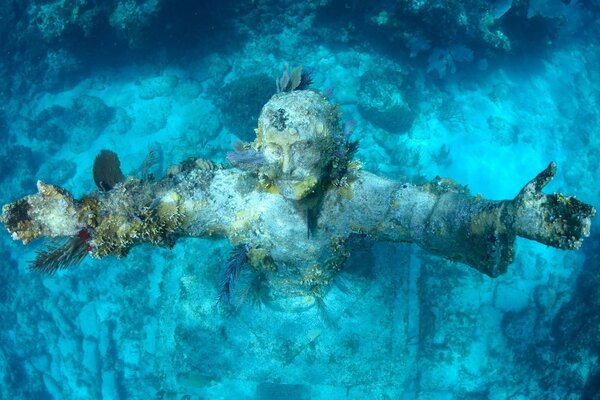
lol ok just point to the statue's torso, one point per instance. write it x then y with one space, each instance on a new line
292 259
275 229
276 232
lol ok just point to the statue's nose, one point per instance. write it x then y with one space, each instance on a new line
286 166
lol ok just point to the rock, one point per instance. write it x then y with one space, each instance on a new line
158 86
510 298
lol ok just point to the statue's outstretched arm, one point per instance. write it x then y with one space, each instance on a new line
111 222
443 218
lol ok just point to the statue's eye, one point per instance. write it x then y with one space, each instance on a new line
273 151
306 150
302 147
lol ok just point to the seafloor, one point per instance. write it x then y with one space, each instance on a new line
485 92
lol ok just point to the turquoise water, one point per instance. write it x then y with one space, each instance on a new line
487 93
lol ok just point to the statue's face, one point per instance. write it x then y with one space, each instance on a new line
295 136
295 162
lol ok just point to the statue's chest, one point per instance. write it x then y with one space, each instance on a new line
281 229
281 247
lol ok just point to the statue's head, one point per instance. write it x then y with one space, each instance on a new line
301 140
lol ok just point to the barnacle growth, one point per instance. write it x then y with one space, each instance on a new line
131 221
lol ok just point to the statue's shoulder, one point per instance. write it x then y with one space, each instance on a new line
367 181
365 188
350 186
235 181
243 188
203 179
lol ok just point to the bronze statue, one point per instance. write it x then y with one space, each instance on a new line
291 203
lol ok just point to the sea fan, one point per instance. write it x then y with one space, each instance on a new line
295 80
237 259
107 170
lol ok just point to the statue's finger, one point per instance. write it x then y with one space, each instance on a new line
536 185
544 177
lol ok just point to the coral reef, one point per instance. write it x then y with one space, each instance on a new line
430 28
241 100
383 101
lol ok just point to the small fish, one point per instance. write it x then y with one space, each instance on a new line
349 127
246 159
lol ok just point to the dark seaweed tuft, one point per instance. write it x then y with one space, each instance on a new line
352 149
60 254
236 261
306 80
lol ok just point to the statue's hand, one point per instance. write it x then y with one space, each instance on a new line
52 212
553 219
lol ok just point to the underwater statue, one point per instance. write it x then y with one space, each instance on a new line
290 206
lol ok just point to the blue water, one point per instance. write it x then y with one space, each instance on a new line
488 93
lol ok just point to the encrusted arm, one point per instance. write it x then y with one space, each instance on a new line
118 216
443 218
102 223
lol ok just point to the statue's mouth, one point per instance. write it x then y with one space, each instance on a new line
290 180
